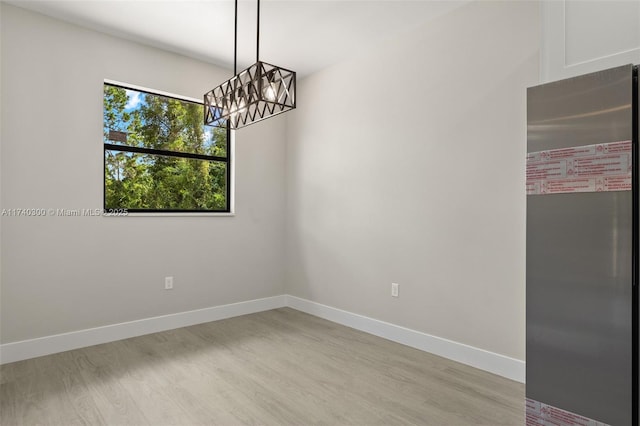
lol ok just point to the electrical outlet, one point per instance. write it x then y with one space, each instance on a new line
395 289
168 283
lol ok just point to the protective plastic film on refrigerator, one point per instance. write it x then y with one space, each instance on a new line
582 251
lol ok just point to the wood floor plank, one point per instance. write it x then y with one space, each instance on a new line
114 401
280 367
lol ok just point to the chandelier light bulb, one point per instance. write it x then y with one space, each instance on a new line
238 108
269 93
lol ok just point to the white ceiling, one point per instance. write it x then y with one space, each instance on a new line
302 35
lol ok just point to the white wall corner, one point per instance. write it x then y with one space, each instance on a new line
501 365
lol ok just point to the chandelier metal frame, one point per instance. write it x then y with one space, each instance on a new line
261 91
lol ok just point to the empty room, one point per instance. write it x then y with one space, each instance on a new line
318 212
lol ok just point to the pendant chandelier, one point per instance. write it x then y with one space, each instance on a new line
260 91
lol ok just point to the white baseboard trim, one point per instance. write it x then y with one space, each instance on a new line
25 349
501 365
495 363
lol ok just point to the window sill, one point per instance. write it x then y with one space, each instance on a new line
173 214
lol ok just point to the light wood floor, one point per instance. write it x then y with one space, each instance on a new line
280 367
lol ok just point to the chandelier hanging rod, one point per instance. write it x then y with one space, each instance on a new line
235 37
258 34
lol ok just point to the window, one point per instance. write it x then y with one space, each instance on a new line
160 157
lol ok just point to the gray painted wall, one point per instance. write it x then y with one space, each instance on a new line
406 164
62 274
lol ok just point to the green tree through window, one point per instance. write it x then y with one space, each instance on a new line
159 157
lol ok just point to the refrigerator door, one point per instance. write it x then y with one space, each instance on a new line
579 257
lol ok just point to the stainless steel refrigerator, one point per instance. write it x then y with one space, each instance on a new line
582 250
